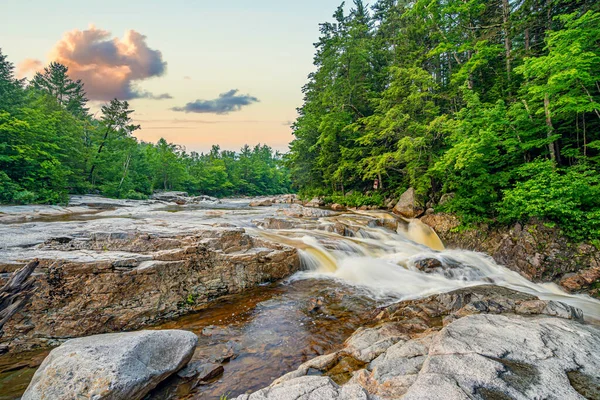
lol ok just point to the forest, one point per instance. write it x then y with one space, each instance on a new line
492 104
52 146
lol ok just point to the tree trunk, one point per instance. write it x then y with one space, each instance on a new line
550 127
125 168
99 151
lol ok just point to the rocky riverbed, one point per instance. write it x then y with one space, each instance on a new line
267 285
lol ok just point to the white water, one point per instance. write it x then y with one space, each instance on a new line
382 262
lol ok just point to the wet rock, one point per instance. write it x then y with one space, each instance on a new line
262 203
367 343
408 206
587 278
441 309
390 203
213 330
483 350
535 250
201 371
142 280
170 196
308 387
315 304
297 211
112 366
428 265
286 199
337 207
231 351
276 223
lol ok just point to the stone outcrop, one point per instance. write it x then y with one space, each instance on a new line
111 366
111 282
483 342
315 202
538 252
182 198
262 203
408 206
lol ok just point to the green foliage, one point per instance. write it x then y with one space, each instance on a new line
50 147
569 197
497 102
357 200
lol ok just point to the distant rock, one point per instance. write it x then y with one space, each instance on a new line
169 196
183 198
262 203
275 223
111 366
315 202
408 206
337 207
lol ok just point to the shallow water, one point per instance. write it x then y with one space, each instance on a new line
354 262
271 330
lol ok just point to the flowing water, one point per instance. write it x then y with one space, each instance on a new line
353 263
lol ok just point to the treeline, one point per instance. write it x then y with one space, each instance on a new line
493 101
50 147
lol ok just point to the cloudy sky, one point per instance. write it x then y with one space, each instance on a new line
196 72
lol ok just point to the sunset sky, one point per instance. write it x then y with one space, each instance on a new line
196 72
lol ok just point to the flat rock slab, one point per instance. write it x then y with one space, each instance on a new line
111 366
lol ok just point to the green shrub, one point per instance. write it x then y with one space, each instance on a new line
357 200
569 198
23 197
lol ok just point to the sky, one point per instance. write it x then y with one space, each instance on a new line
197 73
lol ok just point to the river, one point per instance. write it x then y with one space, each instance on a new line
353 263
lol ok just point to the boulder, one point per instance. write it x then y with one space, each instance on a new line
262 203
171 197
111 366
408 206
315 202
275 223
337 207
467 344
576 282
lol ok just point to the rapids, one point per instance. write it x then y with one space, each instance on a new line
382 261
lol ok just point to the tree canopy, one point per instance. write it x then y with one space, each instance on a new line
50 147
495 101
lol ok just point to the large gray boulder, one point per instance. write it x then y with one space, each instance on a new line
408 206
475 343
112 366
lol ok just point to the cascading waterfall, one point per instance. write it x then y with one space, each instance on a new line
382 262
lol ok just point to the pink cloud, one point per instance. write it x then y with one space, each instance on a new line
109 66
28 67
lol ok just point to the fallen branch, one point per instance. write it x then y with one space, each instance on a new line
16 292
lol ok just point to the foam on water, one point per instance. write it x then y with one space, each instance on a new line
383 263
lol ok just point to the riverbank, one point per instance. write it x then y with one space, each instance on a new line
202 267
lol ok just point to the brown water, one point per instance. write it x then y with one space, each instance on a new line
267 331
270 331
